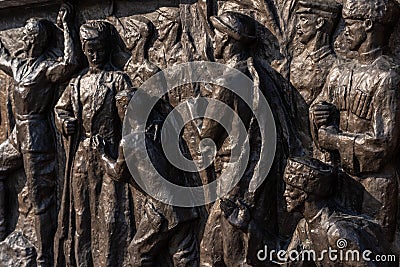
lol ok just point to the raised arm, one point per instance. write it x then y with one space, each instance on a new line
61 71
6 60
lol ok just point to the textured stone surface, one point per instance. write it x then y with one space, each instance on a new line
17 251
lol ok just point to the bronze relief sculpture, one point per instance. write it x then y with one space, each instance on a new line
356 116
32 142
90 216
309 187
316 21
334 174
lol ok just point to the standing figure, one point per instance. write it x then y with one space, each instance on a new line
357 115
242 220
139 34
309 189
32 142
92 229
165 234
316 22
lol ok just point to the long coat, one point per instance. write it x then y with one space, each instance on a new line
225 244
94 227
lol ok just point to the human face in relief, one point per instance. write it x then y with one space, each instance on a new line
355 33
34 40
220 42
306 27
294 197
122 106
97 53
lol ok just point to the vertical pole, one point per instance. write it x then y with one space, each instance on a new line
3 226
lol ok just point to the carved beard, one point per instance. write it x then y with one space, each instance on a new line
219 50
32 49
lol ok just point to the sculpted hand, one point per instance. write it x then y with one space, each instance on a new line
70 126
65 14
237 213
99 144
322 113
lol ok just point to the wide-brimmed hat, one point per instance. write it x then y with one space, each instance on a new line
239 26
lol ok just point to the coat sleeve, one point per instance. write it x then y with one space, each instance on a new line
326 96
64 109
374 148
7 62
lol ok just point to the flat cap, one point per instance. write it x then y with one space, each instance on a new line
310 175
382 11
325 8
95 29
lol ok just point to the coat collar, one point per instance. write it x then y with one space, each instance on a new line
102 82
319 54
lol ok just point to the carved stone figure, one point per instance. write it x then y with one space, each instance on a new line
165 235
106 217
167 49
3 221
93 229
242 220
32 144
309 188
139 33
316 21
357 115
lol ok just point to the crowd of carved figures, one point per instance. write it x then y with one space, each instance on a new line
329 72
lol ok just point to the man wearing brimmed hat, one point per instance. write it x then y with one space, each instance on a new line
244 218
316 22
232 30
357 115
309 189
92 228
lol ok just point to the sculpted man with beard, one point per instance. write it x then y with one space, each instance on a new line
32 142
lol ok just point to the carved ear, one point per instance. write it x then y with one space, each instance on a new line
368 24
320 23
